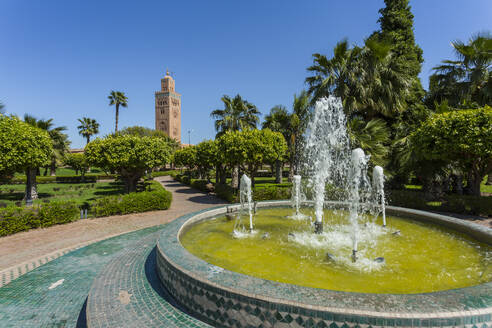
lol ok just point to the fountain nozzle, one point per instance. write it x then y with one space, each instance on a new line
318 227
354 256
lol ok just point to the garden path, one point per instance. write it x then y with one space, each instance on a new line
26 250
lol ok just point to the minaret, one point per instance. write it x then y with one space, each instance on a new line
168 109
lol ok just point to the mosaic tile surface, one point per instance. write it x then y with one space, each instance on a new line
128 293
28 301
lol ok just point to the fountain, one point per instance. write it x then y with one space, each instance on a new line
352 270
378 189
296 199
245 198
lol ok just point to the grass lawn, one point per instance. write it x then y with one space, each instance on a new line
80 192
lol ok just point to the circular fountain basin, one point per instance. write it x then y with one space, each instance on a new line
231 299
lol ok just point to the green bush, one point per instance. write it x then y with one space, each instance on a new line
16 219
185 179
172 173
201 184
459 204
135 202
271 192
58 212
63 179
226 192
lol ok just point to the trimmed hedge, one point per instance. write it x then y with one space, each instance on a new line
64 179
226 192
163 173
16 219
459 204
202 185
272 192
156 199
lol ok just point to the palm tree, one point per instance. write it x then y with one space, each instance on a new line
366 79
238 114
117 98
88 127
279 120
466 81
372 137
301 113
60 147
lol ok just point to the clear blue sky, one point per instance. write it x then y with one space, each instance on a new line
60 59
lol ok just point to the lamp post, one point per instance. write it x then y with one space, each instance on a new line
189 136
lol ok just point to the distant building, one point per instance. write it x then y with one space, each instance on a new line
168 109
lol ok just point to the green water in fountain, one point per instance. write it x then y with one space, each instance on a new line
422 258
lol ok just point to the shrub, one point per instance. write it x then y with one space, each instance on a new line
156 174
64 179
58 212
202 185
459 204
271 192
185 179
156 199
16 219
226 192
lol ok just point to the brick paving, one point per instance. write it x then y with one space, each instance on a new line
24 251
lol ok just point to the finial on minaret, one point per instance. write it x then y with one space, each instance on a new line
167 71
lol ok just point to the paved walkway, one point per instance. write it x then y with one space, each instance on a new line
24 251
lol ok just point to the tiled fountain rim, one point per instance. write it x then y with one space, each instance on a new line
475 301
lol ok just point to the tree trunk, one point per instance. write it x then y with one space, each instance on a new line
131 184
278 171
291 171
88 139
473 183
235 177
459 184
53 167
116 120
31 190
489 179
222 175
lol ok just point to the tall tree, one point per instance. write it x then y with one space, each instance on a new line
366 79
23 148
117 98
237 115
301 113
466 81
141 131
59 139
88 127
279 120
396 24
